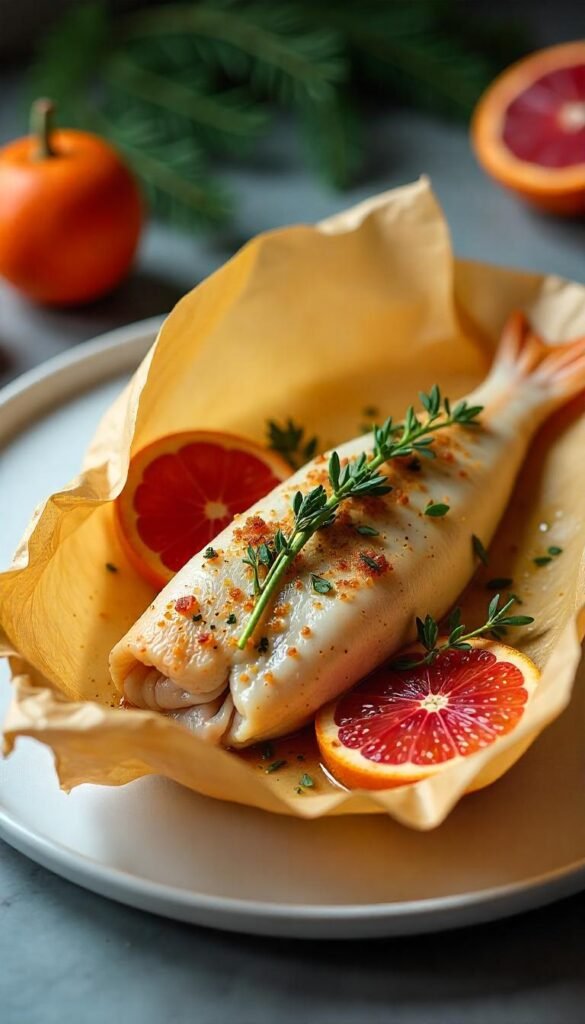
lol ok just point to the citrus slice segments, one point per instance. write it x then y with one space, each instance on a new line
528 128
182 490
400 726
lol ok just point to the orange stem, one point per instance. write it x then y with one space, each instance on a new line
42 126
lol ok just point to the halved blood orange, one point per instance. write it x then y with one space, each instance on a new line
400 726
528 128
183 489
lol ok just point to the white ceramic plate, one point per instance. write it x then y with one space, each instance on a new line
157 846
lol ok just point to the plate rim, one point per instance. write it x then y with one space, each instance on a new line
113 352
264 917
125 346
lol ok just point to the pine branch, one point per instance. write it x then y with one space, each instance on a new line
174 193
175 83
333 139
226 119
266 44
70 53
424 51
173 172
433 73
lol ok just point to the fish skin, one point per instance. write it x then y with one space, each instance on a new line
319 645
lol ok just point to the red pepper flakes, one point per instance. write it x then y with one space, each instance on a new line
409 463
187 605
254 532
443 441
344 518
236 594
203 638
370 507
349 584
400 497
282 609
317 476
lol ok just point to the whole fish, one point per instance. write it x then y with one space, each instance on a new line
384 559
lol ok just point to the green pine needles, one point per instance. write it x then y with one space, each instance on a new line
178 86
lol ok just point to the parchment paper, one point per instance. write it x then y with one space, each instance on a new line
316 323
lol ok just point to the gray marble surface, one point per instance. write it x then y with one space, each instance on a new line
66 954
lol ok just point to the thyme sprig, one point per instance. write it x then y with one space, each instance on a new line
317 509
290 441
459 636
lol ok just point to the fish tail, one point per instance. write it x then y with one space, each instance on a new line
556 373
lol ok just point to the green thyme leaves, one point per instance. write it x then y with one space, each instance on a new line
553 552
479 550
499 583
436 509
289 440
320 585
458 638
366 531
370 562
306 782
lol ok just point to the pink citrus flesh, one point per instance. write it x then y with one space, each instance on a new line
402 726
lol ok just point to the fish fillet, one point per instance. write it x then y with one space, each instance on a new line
181 657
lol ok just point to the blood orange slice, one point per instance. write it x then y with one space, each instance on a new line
182 490
402 726
529 128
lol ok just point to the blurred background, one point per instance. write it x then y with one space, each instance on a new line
236 116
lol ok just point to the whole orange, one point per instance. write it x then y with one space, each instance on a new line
70 213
